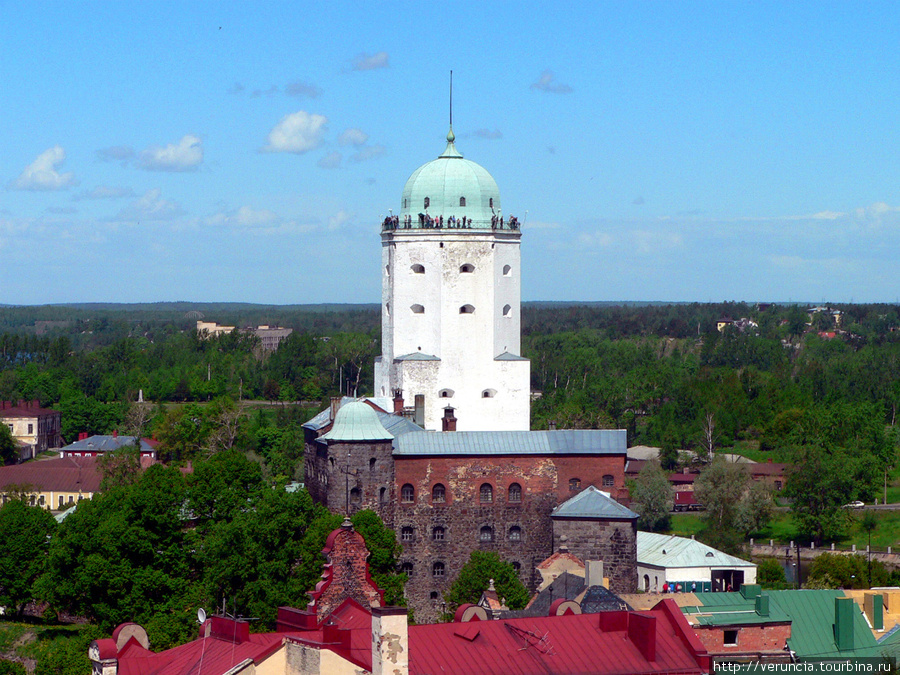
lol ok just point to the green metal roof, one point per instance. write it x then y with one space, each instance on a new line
444 181
811 613
592 503
666 550
357 421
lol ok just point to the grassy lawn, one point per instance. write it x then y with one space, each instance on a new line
783 530
57 646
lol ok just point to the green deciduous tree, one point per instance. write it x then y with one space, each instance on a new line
24 541
8 452
770 574
475 576
652 498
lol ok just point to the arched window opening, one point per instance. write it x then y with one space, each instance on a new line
407 569
467 309
438 493
355 496
574 484
491 202
418 269
517 566
427 202
468 268
515 533
507 311
387 270
446 393
404 202
489 393
647 582
417 309
437 569
515 493
486 534
486 494
371 463
433 595
407 494
382 496
608 481
462 201
406 534
438 533
387 308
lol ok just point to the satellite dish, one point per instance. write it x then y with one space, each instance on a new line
201 615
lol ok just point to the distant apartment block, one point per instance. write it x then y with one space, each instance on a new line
34 428
270 336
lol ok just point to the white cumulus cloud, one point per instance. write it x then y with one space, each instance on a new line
185 155
104 192
368 152
371 61
151 206
353 137
297 132
330 161
42 173
547 82
245 216
340 218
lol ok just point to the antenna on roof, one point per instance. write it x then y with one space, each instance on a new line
451 98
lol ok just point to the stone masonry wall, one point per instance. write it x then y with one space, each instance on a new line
612 541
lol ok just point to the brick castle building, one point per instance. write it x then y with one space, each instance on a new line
449 462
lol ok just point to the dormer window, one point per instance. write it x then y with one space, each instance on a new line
427 202
462 201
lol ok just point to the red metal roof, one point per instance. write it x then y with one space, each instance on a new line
67 474
571 645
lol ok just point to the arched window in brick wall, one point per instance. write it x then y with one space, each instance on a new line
486 534
437 569
515 493
438 493
407 494
574 484
486 493
407 569
355 496
609 481
406 534
515 533
438 533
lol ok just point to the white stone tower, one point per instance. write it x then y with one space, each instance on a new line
451 296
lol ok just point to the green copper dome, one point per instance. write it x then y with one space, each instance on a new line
450 186
356 421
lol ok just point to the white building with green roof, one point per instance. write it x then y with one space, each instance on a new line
451 297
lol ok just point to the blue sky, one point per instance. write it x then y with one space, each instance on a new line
672 151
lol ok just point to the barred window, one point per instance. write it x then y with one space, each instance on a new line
438 533
438 493
515 493
406 534
407 494
487 533
486 493
437 569
515 533
608 481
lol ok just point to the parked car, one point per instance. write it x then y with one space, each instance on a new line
854 505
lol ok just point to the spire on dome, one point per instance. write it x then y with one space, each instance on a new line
450 150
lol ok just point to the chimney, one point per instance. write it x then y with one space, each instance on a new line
82 435
843 623
228 629
448 422
390 641
551 425
762 605
593 573
115 433
335 406
873 605
642 632
398 401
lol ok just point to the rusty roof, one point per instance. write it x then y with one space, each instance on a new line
67 474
